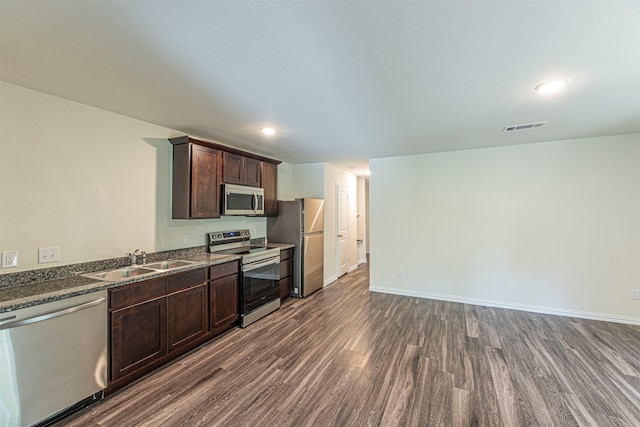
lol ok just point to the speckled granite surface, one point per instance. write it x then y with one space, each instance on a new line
61 272
26 290
281 245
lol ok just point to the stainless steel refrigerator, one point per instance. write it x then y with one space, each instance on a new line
301 222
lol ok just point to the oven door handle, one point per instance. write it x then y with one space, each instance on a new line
271 261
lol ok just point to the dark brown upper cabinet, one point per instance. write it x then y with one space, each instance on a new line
270 185
196 182
241 170
199 169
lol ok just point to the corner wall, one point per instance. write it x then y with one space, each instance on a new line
551 227
95 183
319 180
333 176
361 219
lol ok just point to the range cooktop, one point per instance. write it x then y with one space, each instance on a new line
246 250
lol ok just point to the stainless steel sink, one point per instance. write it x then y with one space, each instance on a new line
139 270
121 273
169 264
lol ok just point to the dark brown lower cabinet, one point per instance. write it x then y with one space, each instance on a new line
224 294
188 313
224 301
152 322
286 273
138 337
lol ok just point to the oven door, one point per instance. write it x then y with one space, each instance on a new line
260 284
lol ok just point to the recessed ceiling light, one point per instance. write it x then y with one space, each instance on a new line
551 86
268 131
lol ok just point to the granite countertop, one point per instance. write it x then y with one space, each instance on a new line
281 245
27 295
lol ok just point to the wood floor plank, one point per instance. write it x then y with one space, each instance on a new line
346 356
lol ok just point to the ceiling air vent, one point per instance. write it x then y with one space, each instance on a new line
524 126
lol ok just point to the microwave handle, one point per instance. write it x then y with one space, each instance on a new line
255 201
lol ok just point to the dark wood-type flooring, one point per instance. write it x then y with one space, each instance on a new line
348 357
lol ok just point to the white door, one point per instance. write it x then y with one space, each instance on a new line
342 228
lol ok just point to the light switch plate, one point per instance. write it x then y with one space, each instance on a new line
9 259
51 254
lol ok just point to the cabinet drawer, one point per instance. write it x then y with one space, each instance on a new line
185 280
137 292
286 268
222 270
286 254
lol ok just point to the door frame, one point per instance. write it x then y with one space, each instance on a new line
340 273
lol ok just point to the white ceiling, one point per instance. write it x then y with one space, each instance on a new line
343 81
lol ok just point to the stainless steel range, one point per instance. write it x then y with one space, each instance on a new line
259 286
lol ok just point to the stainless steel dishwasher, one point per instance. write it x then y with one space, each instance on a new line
53 358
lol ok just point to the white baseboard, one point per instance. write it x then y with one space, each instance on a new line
352 268
362 261
512 306
330 280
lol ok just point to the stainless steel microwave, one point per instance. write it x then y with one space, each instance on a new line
242 200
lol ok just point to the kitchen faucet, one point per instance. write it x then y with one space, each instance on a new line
132 257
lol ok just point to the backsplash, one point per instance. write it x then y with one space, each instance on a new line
54 273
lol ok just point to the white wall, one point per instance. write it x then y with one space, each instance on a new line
362 220
368 217
551 227
95 183
285 181
333 176
319 180
308 181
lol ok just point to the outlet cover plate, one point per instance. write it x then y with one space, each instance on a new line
9 259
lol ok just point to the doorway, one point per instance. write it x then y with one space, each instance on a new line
342 228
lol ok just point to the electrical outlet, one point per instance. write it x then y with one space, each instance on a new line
185 238
401 272
51 254
9 259
635 293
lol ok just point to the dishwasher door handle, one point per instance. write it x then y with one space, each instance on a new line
52 315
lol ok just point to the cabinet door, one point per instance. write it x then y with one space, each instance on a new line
188 316
270 185
205 188
223 294
251 171
285 288
286 273
138 336
231 168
